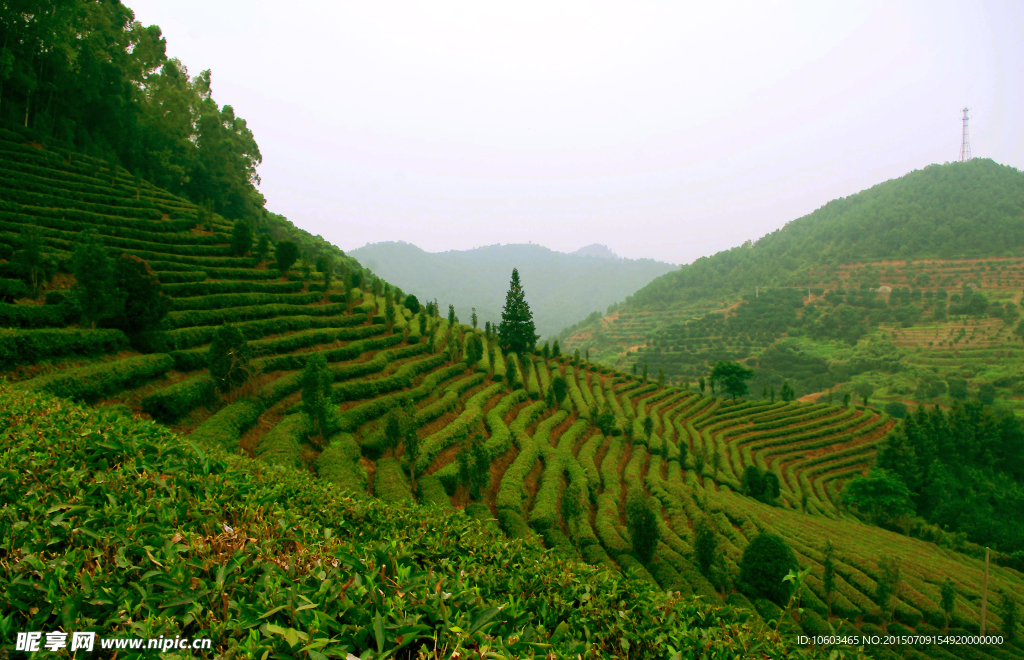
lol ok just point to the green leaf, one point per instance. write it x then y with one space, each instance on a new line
482 619
276 609
378 631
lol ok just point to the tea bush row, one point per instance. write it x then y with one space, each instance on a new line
190 318
461 426
96 381
186 338
173 402
374 341
224 301
200 288
280 445
33 316
29 346
545 513
355 417
172 277
512 490
402 378
449 400
339 464
56 218
117 243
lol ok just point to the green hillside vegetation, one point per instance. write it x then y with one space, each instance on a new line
419 413
910 288
951 211
291 456
563 287
157 536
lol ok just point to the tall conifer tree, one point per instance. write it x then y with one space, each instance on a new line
516 332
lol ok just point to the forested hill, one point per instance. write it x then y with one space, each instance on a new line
86 76
561 288
972 209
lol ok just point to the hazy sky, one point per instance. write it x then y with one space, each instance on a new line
667 130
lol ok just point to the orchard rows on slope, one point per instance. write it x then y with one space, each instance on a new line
492 441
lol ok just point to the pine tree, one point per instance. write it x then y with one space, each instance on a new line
307 267
287 253
474 349
549 398
31 263
560 387
642 523
93 291
316 398
140 305
474 319
228 358
948 592
887 588
829 579
572 506
705 544
453 346
241 238
389 311
481 472
410 440
516 332
262 248
393 431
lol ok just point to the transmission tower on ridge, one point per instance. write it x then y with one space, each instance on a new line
965 143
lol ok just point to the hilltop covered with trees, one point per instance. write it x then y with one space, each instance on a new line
962 210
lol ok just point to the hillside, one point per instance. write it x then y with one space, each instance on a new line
490 444
560 288
911 287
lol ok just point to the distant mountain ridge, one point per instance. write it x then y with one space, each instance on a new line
595 250
560 288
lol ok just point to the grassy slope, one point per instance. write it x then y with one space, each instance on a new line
534 452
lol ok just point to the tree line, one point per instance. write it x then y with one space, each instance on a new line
961 470
85 75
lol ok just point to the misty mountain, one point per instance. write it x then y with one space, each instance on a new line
560 288
595 250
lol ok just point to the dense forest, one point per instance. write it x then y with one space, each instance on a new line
963 470
970 209
87 76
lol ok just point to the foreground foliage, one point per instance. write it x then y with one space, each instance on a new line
118 526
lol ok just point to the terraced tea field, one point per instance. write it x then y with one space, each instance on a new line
849 305
691 463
